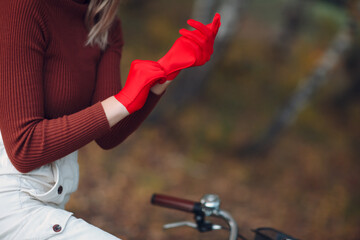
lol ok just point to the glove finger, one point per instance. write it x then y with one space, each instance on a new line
197 32
156 77
150 68
199 26
155 66
199 40
216 23
148 65
162 81
157 72
172 75
142 64
139 61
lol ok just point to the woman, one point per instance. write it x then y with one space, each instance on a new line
59 90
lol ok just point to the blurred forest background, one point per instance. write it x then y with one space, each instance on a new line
272 125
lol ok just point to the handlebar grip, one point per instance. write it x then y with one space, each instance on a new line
175 203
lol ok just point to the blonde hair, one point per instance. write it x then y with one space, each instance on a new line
99 18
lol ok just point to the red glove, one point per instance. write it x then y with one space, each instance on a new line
142 76
193 48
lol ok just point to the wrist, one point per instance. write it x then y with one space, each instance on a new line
114 110
159 88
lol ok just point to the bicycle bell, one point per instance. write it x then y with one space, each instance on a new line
210 203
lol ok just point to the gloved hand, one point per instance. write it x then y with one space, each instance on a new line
142 76
193 48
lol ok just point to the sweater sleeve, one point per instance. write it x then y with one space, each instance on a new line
108 84
30 139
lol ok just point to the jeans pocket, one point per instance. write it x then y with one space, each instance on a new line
44 191
24 217
42 222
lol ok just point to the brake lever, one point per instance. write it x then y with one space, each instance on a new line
210 226
180 224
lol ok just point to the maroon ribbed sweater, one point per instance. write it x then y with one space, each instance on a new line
51 84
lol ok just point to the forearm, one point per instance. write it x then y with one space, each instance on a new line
120 131
36 142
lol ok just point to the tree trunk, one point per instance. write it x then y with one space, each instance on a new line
302 94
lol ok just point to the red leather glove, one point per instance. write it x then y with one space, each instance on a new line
193 48
142 76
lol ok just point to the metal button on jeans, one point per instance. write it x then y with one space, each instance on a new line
60 189
57 228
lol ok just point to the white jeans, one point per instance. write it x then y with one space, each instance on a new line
32 204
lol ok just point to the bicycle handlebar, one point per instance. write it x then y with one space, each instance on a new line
175 203
209 205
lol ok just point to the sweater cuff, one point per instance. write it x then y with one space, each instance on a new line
98 116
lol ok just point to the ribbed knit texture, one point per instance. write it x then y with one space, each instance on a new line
51 85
